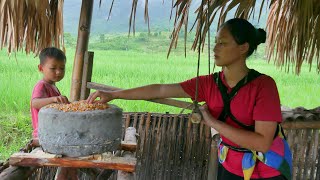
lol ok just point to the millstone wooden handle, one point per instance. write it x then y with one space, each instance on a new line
196 117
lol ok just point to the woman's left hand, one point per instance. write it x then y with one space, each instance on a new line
208 119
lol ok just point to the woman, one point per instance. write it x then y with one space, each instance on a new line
241 104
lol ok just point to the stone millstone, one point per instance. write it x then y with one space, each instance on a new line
77 134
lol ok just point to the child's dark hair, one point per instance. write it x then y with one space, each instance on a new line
53 53
244 32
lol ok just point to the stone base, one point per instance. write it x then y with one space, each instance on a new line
77 134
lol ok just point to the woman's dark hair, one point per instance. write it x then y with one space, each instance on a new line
244 32
52 52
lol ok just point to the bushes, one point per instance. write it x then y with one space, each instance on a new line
69 40
142 41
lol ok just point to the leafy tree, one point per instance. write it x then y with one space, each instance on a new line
69 40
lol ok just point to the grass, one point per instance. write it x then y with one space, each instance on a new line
15 130
126 69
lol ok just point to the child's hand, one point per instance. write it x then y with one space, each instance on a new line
61 99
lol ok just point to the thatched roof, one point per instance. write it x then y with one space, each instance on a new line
292 27
31 24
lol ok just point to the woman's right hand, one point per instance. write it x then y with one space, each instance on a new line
104 96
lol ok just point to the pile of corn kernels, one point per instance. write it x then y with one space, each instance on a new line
78 106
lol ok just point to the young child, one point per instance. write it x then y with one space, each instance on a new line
52 66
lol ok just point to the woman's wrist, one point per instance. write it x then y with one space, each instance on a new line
211 121
114 95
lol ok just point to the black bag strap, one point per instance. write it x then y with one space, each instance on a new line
227 97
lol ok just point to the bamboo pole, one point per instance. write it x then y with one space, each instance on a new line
87 74
82 46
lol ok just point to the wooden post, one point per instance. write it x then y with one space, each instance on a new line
87 74
130 137
82 46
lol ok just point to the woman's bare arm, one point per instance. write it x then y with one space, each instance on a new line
153 91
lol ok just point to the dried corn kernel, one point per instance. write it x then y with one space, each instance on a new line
78 106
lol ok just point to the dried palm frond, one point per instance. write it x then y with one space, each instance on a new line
31 24
146 14
110 8
211 8
293 26
293 33
132 19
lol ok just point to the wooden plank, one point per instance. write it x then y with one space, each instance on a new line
87 74
170 146
154 147
204 155
140 148
315 154
127 122
181 146
195 151
213 158
130 137
186 152
290 139
295 149
135 120
184 143
141 122
148 121
157 164
212 151
147 148
82 46
45 159
301 125
303 155
162 147
318 166
176 147
128 146
170 102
